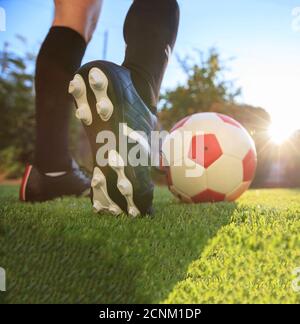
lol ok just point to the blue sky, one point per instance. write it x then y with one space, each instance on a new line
259 34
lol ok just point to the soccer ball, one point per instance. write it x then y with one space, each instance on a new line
216 161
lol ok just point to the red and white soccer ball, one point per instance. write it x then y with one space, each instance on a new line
221 150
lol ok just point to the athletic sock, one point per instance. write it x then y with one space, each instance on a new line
150 32
59 57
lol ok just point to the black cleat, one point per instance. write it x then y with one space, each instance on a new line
38 187
106 98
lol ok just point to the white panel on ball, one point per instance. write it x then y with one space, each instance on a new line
190 181
225 175
208 124
234 141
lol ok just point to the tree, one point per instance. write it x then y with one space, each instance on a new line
17 111
205 88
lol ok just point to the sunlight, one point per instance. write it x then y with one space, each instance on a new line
280 133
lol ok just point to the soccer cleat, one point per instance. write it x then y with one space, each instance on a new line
105 98
38 187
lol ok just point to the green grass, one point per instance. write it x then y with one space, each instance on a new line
60 251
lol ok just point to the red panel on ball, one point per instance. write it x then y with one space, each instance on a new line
180 123
205 150
208 196
249 165
229 120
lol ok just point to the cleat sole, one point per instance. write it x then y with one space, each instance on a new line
98 83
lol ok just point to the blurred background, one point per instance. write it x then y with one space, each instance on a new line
241 58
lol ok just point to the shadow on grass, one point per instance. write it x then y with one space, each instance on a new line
60 252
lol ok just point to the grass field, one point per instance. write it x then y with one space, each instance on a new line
61 252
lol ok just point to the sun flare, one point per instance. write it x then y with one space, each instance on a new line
279 134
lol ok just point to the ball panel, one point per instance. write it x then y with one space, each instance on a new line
228 120
187 180
233 141
208 196
205 126
249 165
180 195
225 174
180 123
175 147
207 116
205 150
238 192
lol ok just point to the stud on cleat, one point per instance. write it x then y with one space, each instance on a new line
97 207
124 185
75 87
98 180
101 199
99 83
78 90
105 109
96 79
133 212
115 160
83 113
114 210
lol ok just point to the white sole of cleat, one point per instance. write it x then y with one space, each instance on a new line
77 89
99 83
101 200
124 185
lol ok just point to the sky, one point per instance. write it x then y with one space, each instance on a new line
262 37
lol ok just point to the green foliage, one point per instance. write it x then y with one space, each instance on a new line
61 251
206 86
9 163
17 110
207 90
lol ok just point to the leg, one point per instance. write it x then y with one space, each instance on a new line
55 174
79 15
150 33
60 56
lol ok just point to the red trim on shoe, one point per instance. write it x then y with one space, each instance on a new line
24 182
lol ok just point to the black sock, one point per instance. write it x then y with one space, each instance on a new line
150 32
59 57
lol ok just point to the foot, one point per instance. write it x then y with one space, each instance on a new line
105 98
38 187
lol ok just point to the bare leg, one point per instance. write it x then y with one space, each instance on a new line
79 15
